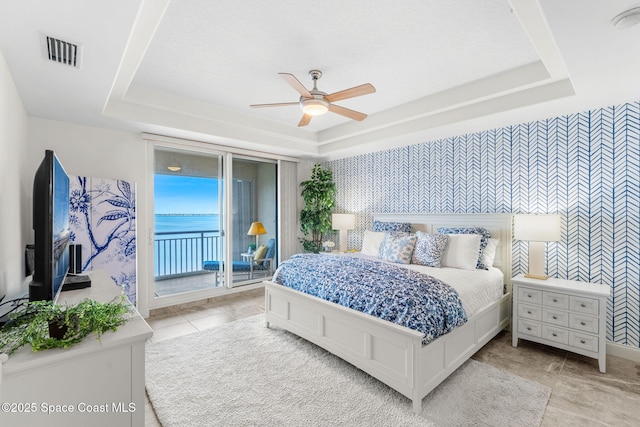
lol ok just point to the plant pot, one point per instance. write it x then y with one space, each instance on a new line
57 330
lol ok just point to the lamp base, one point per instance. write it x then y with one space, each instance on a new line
536 276
536 261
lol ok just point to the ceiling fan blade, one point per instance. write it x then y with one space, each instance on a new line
364 89
305 120
355 115
281 104
295 83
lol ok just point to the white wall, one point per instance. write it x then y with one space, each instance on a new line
101 153
15 218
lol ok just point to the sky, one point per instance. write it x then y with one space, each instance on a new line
174 194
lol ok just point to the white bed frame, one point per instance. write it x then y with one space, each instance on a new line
391 353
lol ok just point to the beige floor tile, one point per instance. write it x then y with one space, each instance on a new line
596 401
211 321
199 313
556 417
240 312
163 321
173 331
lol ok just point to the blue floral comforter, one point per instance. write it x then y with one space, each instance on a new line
396 294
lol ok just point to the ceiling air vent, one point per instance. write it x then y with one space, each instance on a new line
63 52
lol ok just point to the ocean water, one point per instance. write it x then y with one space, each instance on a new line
186 223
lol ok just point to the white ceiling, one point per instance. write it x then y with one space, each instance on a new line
191 68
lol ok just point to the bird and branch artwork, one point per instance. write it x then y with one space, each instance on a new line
103 221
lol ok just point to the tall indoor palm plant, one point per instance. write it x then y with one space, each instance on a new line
319 194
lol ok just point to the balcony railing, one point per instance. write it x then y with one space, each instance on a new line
179 253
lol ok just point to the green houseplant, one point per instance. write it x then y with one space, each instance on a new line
44 324
319 195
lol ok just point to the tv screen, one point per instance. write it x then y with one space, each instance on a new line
51 229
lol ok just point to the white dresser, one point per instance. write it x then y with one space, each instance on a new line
93 383
561 313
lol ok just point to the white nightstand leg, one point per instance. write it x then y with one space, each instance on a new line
602 363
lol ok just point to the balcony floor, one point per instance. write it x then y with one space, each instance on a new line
196 282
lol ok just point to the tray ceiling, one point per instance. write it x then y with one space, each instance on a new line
191 68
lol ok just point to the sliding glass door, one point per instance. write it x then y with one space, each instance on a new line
189 218
215 222
253 238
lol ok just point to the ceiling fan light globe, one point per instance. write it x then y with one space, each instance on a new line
315 107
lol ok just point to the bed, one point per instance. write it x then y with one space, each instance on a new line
395 354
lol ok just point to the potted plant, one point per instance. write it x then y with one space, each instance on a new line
318 194
44 324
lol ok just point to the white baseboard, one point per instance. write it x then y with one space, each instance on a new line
623 351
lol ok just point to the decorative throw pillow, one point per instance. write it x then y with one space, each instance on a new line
489 253
461 251
429 249
397 247
260 252
392 226
483 232
371 242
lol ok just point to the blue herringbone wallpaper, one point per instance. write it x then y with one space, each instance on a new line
584 166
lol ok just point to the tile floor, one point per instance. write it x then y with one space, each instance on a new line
580 394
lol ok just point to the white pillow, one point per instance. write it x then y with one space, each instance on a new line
371 242
489 253
461 251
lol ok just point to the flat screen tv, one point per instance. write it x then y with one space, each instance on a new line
51 229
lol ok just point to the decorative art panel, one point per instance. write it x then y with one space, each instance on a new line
584 166
103 221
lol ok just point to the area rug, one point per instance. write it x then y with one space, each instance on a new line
244 374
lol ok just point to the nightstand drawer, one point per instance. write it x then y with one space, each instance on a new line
555 317
583 341
530 295
584 305
583 323
529 311
529 327
554 334
552 299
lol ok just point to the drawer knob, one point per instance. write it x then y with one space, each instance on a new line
554 334
583 324
555 300
529 296
555 317
528 328
529 312
583 305
583 342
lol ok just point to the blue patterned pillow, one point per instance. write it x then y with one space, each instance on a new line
471 230
392 226
397 247
429 249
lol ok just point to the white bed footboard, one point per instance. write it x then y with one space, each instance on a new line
391 353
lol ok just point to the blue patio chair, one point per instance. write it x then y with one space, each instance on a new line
264 264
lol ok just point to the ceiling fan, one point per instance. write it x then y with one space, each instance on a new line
315 102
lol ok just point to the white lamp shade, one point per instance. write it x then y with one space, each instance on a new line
343 221
537 228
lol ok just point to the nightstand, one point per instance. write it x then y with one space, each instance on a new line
561 313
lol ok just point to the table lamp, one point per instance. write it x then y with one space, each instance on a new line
256 229
537 230
343 222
